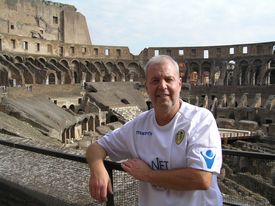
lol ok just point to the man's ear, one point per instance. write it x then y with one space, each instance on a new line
180 82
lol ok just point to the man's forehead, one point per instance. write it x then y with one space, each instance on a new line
161 69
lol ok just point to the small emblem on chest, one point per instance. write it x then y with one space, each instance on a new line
179 136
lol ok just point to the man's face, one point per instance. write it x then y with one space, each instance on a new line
163 86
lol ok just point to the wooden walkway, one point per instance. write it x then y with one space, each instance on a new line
229 135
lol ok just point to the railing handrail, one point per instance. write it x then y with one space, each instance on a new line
73 157
258 155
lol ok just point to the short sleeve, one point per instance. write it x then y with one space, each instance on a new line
119 144
204 146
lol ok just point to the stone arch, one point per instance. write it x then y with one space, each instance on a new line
109 75
96 74
135 69
66 77
255 73
97 121
16 76
269 77
87 66
4 75
19 62
229 74
18 59
84 125
72 107
9 58
205 74
65 63
182 71
101 67
37 69
194 73
132 76
42 60
244 74
115 71
85 72
52 65
52 78
123 69
76 71
31 59
28 75
105 72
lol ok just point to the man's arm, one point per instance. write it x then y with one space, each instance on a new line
99 183
176 179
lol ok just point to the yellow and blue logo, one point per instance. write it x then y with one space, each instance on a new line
179 136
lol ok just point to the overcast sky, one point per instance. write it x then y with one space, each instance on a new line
139 24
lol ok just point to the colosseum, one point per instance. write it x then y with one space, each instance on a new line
59 92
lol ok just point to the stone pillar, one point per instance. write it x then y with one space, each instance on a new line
257 100
47 80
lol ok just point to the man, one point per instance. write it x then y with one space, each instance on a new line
174 149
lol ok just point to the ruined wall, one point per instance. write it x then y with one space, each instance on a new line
238 65
43 20
75 27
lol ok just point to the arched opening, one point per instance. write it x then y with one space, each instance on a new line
194 74
125 101
205 78
72 108
244 75
255 76
193 78
51 78
3 78
113 118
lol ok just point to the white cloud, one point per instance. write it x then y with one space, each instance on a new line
142 23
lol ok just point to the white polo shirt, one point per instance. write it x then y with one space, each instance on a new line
190 139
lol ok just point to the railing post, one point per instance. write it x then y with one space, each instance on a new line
110 201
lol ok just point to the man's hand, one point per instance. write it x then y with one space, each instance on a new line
137 168
100 185
99 182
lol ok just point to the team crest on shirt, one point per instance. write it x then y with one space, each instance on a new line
179 136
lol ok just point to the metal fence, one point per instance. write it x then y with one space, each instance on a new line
125 187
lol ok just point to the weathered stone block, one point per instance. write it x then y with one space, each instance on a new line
247 125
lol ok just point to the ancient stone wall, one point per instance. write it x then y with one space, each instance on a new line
43 20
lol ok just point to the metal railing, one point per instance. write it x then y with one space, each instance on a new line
113 166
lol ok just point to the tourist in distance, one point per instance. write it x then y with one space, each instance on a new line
174 149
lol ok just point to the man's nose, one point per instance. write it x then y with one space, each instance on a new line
162 84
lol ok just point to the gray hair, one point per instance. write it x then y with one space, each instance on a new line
160 59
